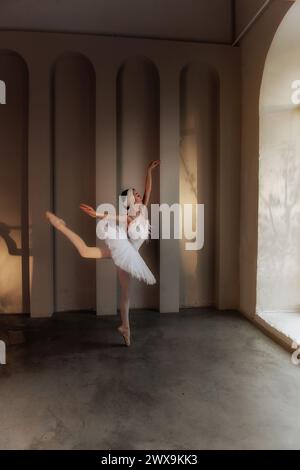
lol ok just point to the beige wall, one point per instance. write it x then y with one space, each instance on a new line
106 56
254 49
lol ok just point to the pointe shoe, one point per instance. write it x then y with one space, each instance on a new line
54 220
125 332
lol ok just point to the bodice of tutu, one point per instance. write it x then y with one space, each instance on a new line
138 231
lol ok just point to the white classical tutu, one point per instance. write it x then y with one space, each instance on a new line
124 248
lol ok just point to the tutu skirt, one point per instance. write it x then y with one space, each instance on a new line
124 251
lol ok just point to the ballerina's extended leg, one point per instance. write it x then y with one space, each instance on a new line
124 329
84 250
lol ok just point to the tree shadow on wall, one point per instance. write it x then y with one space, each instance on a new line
279 219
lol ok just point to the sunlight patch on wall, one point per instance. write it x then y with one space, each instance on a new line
278 268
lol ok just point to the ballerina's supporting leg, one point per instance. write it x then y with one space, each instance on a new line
84 250
124 329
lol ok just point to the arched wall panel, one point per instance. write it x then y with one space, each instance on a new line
199 132
74 178
14 234
137 145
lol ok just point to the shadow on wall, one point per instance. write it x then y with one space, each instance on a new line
279 212
10 256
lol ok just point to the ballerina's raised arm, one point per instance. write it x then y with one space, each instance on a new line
148 184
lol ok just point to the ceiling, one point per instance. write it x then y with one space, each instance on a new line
196 20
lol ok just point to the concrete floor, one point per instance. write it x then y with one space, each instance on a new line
200 379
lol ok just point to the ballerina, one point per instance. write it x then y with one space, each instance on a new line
123 236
